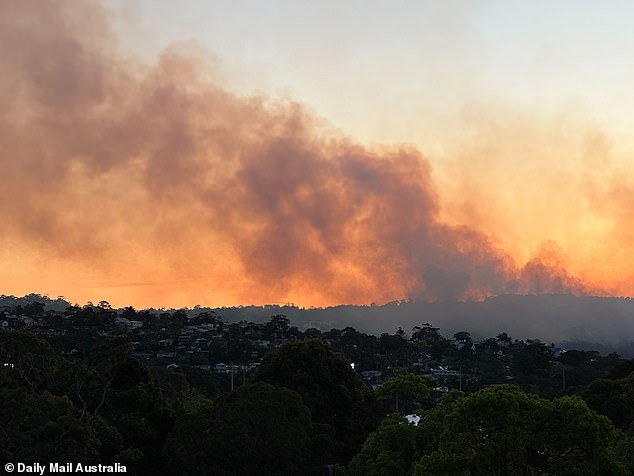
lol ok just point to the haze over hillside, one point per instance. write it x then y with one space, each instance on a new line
599 323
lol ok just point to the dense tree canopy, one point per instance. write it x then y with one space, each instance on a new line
613 398
406 390
42 427
502 430
391 450
258 429
145 392
333 392
499 430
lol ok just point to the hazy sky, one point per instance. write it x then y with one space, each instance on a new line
389 71
511 119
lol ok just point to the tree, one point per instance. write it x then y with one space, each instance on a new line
427 334
279 323
93 378
502 430
128 312
42 427
622 369
430 337
258 429
613 398
576 358
33 309
110 440
396 446
32 362
504 339
408 387
334 393
463 336
144 417
532 357
577 440
129 373
391 450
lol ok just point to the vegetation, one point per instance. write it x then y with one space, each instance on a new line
497 430
182 393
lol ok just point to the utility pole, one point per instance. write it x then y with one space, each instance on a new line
563 377
231 370
460 380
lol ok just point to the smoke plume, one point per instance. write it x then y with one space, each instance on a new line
156 179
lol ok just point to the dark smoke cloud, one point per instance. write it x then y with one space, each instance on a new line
111 162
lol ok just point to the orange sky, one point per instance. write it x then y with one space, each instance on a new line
155 183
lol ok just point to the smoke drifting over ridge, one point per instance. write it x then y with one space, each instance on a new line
155 177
